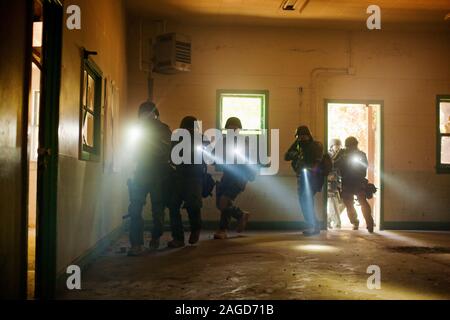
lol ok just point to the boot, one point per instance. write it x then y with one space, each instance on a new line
311 232
370 226
153 244
242 223
194 237
135 251
175 244
220 235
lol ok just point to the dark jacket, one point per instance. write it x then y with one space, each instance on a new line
192 170
241 173
154 148
304 155
352 166
236 172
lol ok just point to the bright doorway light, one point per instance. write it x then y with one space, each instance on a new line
362 121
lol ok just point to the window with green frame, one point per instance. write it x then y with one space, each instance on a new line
247 105
90 111
443 134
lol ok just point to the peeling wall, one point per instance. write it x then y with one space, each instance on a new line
91 199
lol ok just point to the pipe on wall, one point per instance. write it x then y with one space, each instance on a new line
316 72
161 26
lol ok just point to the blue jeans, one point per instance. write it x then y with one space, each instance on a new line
306 194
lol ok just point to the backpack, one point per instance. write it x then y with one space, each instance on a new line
370 189
324 169
208 184
326 165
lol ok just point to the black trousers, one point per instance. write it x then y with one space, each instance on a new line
230 188
156 187
186 193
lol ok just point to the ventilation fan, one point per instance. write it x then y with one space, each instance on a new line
172 53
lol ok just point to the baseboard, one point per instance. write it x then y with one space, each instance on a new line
300 225
252 225
416 225
91 254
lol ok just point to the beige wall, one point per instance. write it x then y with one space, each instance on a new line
405 70
91 200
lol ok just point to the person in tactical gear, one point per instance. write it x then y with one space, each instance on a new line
187 189
335 203
306 155
152 177
233 182
352 167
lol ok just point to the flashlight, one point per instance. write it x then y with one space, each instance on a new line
356 159
135 133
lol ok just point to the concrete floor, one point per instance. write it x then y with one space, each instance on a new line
31 263
274 265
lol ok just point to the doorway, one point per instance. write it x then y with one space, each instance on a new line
362 120
33 141
42 139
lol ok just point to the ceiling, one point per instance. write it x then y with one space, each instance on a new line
316 13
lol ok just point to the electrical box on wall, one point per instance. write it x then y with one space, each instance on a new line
172 53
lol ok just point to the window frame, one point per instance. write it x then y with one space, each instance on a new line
441 168
88 153
243 93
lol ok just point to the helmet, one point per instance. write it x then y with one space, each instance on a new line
188 123
302 130
233 122
335 142
351 142
148 108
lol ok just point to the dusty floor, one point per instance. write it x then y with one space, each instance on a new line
31 262
273 265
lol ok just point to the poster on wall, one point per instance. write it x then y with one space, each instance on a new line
114 118
110 158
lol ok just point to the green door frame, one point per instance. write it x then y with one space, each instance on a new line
48 150
440 168
381 188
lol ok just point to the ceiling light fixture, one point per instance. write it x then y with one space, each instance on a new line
288 5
